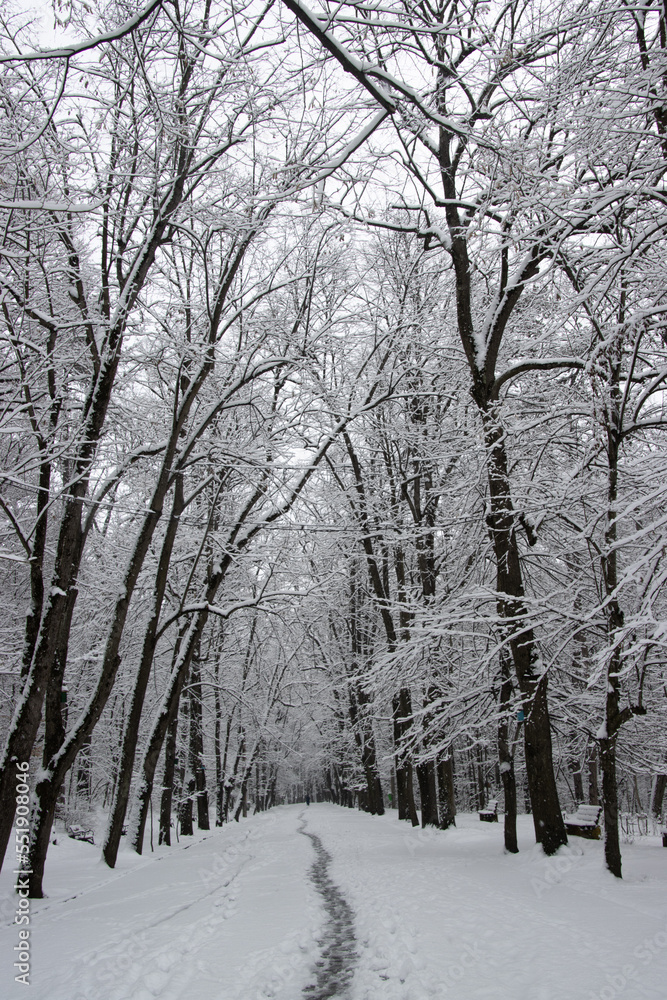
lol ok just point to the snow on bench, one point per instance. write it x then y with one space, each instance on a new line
77 832
490 813
585 822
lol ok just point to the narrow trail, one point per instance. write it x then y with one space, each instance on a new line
335 968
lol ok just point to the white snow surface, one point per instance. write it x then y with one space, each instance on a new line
233 915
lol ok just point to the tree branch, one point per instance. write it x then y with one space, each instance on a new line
67 51
534 365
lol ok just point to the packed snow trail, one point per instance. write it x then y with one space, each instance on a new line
234 914
336 966
448 915
230 915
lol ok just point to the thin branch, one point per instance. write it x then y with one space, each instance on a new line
67 51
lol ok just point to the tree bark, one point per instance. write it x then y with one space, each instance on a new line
426 777
658 795
196 746
614 717
365 741
185 810
446 792
592 762
358 700
217 742
131 733
512 610
506 753
612 845
48 788
547 817
402 710
166 798
163 719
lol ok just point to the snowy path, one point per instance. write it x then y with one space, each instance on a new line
230 916
335 968
236 915
449 915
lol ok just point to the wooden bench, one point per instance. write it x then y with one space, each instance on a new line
490 813
585 822
77 832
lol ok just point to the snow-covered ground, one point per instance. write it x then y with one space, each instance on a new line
233 915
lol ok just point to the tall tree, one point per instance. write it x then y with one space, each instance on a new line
489 146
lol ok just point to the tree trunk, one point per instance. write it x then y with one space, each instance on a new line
614 717
242 807
358 699
217 744
271 793
41 821
131 734
506 753
363 735
51 641
170 700
612 846
185 810
428 793
512 610
167 795
167 711
658 795
446 792
402 710
259 805
196 746
509 790
481 782
50 645
59 763
592 762
547 817
25 724
225 790
34 615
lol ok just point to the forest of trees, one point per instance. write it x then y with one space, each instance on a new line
332 413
